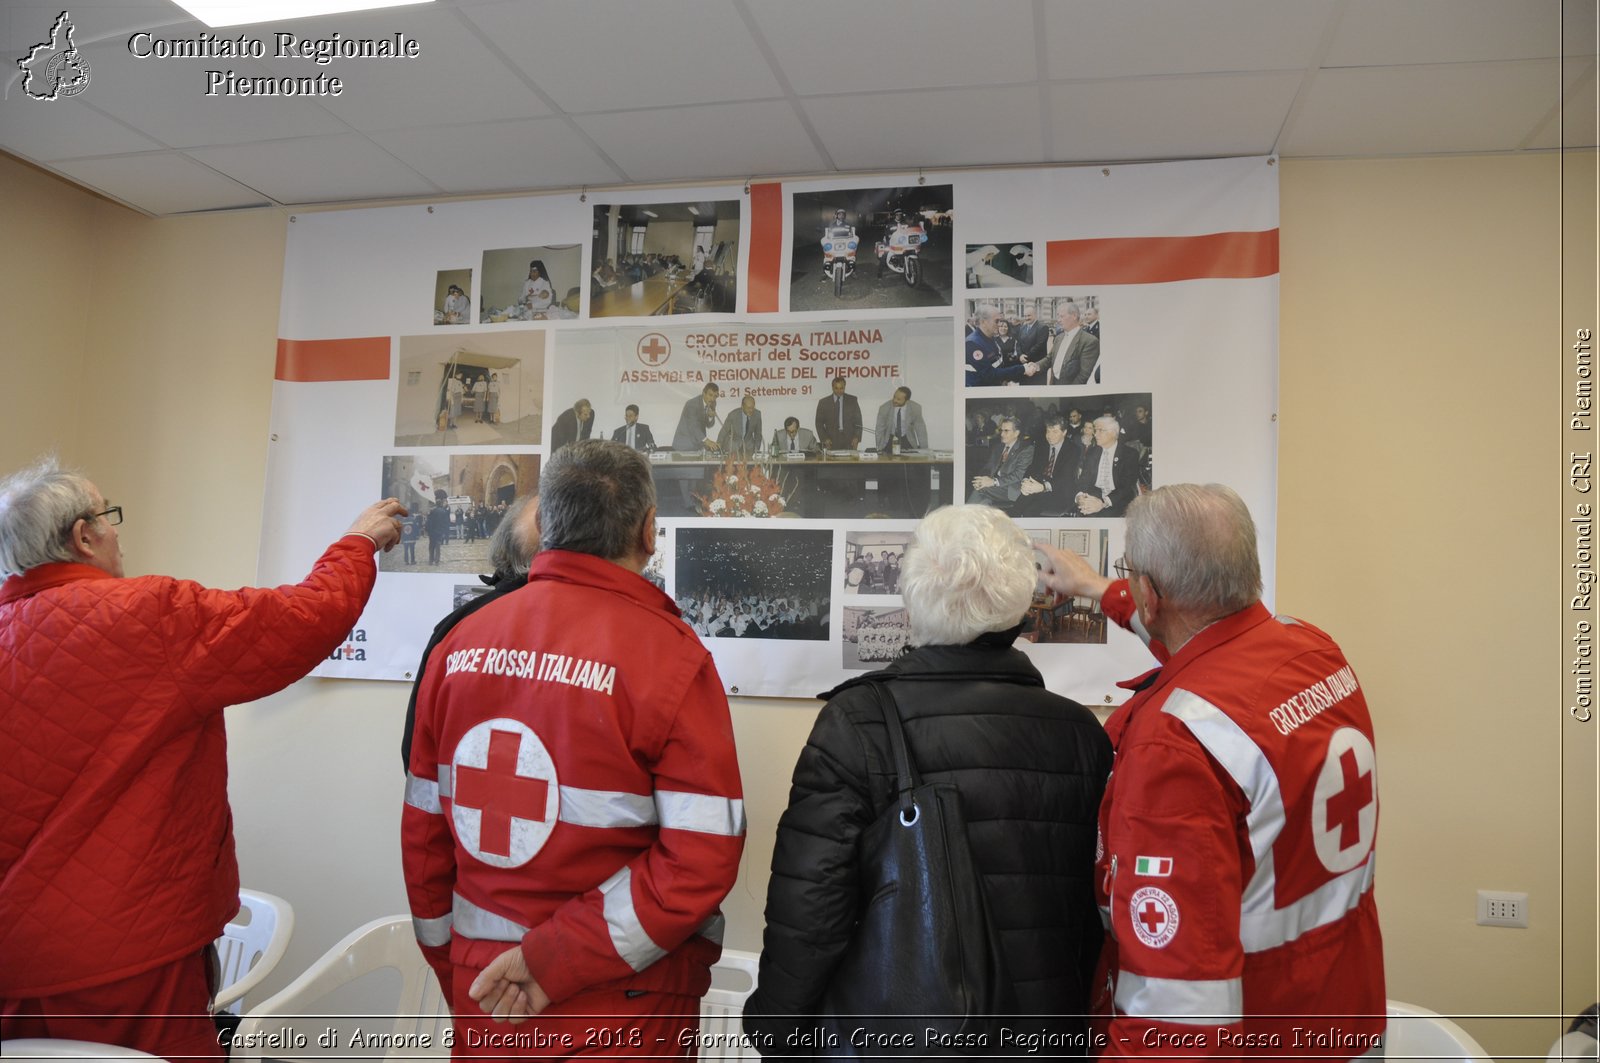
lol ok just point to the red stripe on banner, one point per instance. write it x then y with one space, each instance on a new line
1159 259
766 248
309 361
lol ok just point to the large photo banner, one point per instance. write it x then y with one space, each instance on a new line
808 367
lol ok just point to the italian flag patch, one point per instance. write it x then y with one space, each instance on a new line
1153 866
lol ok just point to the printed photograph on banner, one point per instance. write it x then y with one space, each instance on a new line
665 258
462 593
872 561
456 503
873 635
452 302
872 248
754 583
472 390
1075 620
823 420
1036 341
655 570
1067 455
1000 265
531 283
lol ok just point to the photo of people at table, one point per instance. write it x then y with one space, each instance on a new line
871 248
530 284
1069 456
664 258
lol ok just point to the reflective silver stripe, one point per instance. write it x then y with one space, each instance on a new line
606 808
432 931
627 935
1260 931
1137 627
1239 755
423 794
1192 1003
700 812
480 923
1287 621
444 780
712 928
1105 917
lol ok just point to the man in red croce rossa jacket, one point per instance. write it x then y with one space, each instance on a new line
1238 828
117 866
573 815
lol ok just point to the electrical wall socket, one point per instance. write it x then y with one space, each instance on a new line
1502 909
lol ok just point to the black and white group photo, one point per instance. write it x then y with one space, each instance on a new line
754 583
872 561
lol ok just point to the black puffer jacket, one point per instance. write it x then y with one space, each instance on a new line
1030 766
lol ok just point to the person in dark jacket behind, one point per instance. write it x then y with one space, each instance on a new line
1030 767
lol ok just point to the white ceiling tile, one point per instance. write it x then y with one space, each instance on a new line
1413 32
1122 38
455 77
60 129
605 55
541 153
839 46
1165 118
165 98
947 127
162 183
1402 110
717 140
316 169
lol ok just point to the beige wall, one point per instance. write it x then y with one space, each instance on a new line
1419 379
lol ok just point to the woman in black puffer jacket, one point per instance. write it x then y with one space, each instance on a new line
1030 767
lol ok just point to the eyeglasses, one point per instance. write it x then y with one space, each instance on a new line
113 515
1127 572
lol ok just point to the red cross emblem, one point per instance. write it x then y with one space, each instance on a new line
504 796
1155 916
1344 808
654 349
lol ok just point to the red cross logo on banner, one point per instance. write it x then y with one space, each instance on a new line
1155 916
505 797
654 349
1344 805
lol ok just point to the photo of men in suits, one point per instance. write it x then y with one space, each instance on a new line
900 420
1001 482
741 432
573 424
839 418
1050 488
633 433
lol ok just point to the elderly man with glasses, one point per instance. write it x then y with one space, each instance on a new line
117 867
1239 828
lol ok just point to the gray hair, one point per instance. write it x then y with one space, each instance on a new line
593 497
968 570
985 312
38 507
512 546
1198 543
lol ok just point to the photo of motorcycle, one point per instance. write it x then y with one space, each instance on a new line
839 255
898 251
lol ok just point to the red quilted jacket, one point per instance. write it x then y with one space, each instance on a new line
116 842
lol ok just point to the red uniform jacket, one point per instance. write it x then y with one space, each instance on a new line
116 845
1237 849
574 786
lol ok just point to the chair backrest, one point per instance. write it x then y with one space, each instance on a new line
733 979
388 946
251 946
1417 1033
56 1048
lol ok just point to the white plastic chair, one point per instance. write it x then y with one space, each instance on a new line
57 1048
382 947
1417 1033
733 979
249 950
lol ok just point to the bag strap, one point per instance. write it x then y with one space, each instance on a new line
905 772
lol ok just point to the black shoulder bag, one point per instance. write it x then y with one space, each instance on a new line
923 974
